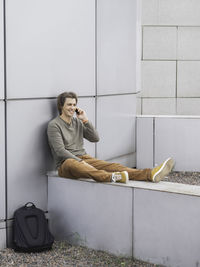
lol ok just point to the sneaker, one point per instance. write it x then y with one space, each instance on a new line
120 177
158 173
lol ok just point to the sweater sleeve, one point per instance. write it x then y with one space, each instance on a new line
89 132
57 145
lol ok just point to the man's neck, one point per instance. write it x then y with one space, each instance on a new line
66 119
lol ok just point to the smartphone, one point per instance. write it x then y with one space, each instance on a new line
76 110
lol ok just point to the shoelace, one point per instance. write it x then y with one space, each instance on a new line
116 176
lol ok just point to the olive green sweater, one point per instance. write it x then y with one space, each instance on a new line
66 140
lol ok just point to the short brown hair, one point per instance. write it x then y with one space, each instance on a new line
62 97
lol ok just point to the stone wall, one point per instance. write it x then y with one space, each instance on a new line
170 57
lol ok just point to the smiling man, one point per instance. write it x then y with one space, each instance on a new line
66 134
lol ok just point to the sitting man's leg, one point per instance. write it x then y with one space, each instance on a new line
154 175
72 168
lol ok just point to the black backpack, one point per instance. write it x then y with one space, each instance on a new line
30 230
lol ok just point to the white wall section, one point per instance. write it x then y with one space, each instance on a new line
116 46
50 47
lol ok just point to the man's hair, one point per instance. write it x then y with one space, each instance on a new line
62 97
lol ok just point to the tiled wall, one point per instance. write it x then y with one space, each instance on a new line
86 46
170 57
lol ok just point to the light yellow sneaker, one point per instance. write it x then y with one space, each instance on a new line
120 177
158 173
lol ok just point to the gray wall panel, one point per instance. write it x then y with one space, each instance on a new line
88 104
28 152
116 46
178 138
1 52
2 161
128 160
45 56
145 143
116 125
166 228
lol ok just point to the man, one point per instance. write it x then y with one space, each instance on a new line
66 134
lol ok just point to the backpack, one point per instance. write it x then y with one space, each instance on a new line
30 230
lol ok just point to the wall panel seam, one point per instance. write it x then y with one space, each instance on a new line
133 193
154 140
117 94
153 59
95 47
5 117
136 138
142 43
169 25
43 98
96 65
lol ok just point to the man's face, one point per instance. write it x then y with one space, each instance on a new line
69 107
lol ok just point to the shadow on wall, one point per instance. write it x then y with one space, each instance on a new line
47 157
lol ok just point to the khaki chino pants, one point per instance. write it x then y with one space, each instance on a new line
99 170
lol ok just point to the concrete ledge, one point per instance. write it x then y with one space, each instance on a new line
158 223
169 187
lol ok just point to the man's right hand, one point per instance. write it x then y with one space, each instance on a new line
81 114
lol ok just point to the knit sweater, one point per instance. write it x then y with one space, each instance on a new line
66 140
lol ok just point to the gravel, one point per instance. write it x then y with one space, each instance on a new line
65 255
192 178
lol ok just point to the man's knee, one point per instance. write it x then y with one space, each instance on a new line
69 162
66 166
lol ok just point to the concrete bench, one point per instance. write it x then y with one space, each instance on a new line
158 223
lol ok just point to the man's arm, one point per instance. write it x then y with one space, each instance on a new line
89 132
57 145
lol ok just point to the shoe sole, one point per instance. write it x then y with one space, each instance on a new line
127 177
164 170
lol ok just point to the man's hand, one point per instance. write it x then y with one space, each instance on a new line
82 115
